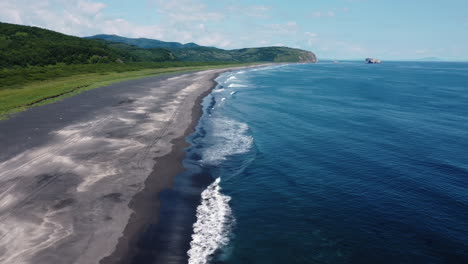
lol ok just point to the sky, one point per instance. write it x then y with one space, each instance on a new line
333 29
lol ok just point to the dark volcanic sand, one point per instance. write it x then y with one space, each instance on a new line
69 170
135 246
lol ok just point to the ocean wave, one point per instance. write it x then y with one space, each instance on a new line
219 90
234 85
232 78
212 229
229 138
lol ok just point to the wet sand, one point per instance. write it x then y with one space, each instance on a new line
80 178
146 204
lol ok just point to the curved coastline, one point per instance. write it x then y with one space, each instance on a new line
65 167
146 203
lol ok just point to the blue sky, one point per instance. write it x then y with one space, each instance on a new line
335 29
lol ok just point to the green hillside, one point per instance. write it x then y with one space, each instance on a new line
266 54
25 46
194 52
31 46
39 66
143 42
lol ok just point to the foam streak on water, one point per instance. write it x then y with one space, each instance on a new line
212 229
234 85
352 163
229 138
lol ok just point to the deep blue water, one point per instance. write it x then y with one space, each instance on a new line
334 163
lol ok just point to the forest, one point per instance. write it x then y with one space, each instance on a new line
24 46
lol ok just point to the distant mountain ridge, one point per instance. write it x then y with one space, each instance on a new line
143 42
195 52
25 46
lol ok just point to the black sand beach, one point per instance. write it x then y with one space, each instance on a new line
130 248
80 178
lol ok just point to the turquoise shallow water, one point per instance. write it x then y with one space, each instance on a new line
335 163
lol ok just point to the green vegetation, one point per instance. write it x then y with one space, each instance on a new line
194 52
143 42
16 78
23 46
38 66
267 54
66 80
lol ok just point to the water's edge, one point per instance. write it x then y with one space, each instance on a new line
150 205
145 203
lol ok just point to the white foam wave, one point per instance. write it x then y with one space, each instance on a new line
214 222
219 90
229 138
232 78
234 85
233 93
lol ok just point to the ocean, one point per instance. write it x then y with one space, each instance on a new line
324 163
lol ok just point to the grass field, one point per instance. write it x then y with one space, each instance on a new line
27 91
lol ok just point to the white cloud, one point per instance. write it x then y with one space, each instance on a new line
10 13
284 28
184 20
311 38
319 14
258 11
180 20
190 21
91 7
255 11
186 11
70 17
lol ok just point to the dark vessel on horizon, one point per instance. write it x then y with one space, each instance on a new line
373 61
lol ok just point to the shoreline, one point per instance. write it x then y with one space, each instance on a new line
85 173
146 204
162 177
